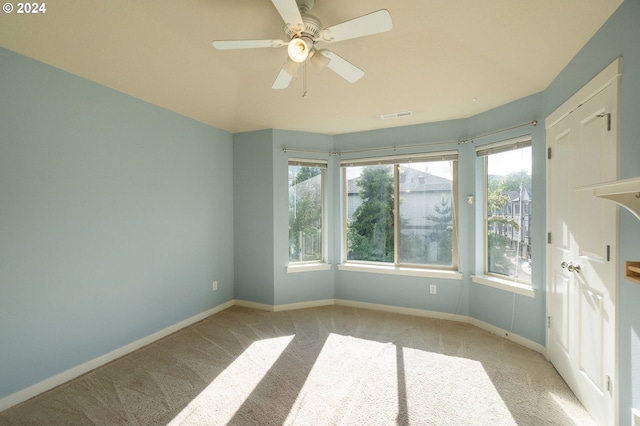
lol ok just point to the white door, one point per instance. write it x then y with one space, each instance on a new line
582 254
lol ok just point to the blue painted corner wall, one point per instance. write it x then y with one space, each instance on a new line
115 218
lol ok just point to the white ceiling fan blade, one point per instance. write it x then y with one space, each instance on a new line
373 23
288 9
246 44
282 80
342 67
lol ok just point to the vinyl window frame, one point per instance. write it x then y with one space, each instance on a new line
485 277
320 264
398 268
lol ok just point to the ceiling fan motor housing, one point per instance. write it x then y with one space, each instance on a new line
311 29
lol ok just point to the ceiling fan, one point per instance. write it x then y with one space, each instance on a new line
303 31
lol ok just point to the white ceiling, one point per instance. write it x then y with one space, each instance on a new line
443 59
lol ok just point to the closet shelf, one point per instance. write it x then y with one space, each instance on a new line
625 192
632 271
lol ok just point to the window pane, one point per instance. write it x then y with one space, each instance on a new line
509 214
305 213
426 213
370 213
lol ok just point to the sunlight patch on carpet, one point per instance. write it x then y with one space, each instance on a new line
396 384
338 374
226 394
435 383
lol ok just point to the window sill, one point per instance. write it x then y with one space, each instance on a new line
395 270
308 267
506 285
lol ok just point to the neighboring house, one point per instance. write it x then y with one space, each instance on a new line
516 210
419 192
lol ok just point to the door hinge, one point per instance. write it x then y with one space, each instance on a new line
548 237
608 115
608 253
548 322
608 383
549 153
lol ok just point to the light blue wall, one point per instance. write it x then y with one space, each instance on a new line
261 209
115 217
253 213
620 36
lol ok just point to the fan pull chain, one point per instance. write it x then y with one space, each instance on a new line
304 79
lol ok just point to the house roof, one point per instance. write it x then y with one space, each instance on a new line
515 195
413 181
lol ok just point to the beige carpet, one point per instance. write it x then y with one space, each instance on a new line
323 366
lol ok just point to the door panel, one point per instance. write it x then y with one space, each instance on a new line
590 348
582 255
561 297
561 176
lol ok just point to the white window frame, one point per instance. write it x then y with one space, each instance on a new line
321 264
397 268
485 277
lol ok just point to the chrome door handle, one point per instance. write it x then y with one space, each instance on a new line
573 268
564 264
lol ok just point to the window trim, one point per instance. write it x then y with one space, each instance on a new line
390 269
321 264
397 268
397 159
491 279
307 267
504 146
494 281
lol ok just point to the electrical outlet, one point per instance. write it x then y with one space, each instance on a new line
215 285
432 289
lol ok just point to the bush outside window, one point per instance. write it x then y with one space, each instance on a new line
306 211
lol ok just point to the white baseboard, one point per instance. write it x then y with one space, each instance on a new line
530 344
253 305
304 305
81 369
72 373
451 317
401 310
522 341
284 307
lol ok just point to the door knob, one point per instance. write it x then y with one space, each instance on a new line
564 264
573 268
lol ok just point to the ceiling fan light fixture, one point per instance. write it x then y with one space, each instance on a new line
298 50
291 67
319 61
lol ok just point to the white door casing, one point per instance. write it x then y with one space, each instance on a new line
582 257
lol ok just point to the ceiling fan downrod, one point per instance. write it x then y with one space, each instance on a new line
305 6
304 79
